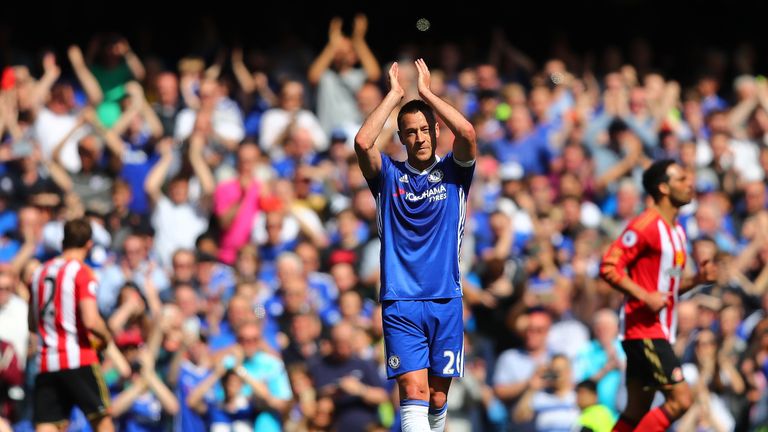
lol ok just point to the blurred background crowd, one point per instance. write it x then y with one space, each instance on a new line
236 248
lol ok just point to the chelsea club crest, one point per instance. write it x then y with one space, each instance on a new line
394 361
435 176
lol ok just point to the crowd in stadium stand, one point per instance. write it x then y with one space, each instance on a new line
237 251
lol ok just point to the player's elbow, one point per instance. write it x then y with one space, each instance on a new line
611 274
467 131
91 323
608 272
89 314
363 142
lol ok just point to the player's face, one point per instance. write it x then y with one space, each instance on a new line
680 186
419 139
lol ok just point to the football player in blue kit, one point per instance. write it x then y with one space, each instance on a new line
421 209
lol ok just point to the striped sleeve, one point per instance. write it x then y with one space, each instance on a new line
621 254
85 284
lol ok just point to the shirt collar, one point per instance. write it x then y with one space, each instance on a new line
426 171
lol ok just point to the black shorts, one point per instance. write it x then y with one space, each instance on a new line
57 392
652 361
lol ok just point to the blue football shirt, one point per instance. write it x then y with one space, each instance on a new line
421 219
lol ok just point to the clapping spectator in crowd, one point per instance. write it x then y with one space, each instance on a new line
336 76
351 384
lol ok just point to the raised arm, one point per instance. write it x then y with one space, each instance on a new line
59 174
196 398
84 75
324 60
368 156
140 104
51 73
257 82
9 115
261 394
26 252
156 177
164 395
364 53
242 73
132 60
125 399
136 93
112 140
213 71
465 142
199 166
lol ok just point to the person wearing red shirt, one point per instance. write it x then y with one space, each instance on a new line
64 315
647 264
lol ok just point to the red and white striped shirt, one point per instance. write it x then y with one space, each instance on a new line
58 286
653 255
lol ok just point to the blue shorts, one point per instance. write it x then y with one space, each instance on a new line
424 334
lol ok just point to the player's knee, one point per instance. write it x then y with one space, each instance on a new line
680 402
437 400
414 391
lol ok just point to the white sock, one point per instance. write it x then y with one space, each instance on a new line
413 417
437 418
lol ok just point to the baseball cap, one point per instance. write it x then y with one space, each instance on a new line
338 134
130 337
706 181
342 256
511 171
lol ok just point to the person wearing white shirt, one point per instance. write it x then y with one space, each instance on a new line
277 122
177 220
13 317
217 115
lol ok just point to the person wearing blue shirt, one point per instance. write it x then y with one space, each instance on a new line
351 383
145 403
229 410
192 372
421 210
265 377
603 361
524 144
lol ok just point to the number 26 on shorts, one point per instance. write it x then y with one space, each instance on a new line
454 360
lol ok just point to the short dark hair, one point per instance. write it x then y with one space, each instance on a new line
414 106
654 176
616 126
540 310
587 384
704 239
179 178
77 233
